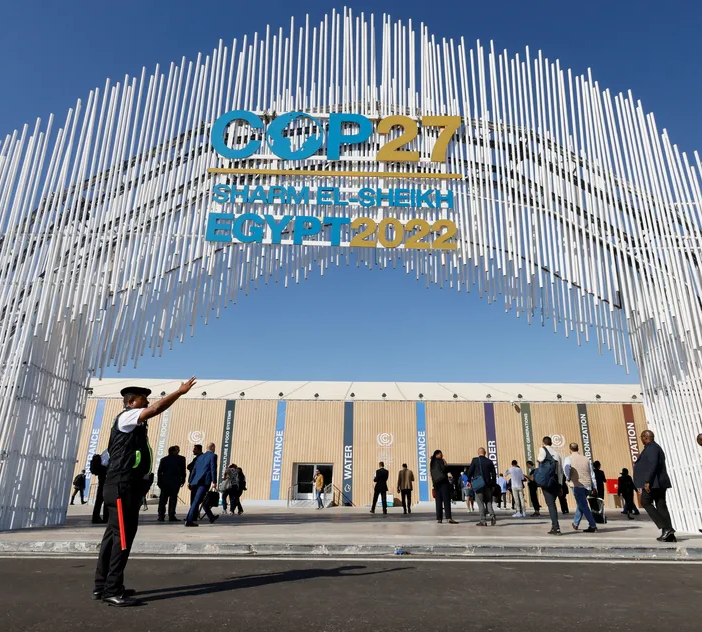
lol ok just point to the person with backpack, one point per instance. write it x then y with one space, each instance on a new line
483 480
230 488
548 476
99 470
79 487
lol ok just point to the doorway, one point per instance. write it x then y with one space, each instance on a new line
303 479
456 471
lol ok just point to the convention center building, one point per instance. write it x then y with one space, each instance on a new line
279 433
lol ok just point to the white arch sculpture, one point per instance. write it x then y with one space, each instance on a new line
572 206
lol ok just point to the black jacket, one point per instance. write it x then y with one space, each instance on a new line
481 465
171 471
439 473
650 468
381 480
625 485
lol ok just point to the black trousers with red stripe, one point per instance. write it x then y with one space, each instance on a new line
109 575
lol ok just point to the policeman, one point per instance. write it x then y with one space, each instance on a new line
127 480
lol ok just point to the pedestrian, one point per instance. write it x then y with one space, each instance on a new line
452 486
197 453
381 487
601 479
517 478
533 490
580 474
563 497
626 489
404 488
171 477
502 483
651 478
230 487
99 470
548 476
240 492
127 479
442 489
467 492
481 474
79 487
202 478
319 489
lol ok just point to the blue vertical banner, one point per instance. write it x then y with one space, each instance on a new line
491 435
422 451
348 455
278 450
93 442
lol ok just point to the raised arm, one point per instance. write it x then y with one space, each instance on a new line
165 402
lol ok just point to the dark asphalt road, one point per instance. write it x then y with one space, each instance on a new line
403 595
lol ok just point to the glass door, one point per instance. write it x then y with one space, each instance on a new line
303 479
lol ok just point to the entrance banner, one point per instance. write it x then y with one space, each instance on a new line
422 451
161 444
528 433
226 450
347 489
491 434
631 436
278 450
93 442
584 431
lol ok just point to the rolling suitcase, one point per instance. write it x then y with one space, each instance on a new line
597 507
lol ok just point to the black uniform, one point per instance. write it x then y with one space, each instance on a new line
126 482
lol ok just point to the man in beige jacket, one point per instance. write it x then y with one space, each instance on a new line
579 473
404 487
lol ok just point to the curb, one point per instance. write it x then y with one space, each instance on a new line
482 551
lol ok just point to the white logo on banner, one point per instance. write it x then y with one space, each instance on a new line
385 439
197 436
558 440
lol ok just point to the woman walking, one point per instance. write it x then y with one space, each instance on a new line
442 488
230 487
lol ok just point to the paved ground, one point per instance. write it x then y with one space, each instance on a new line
327 595
344 531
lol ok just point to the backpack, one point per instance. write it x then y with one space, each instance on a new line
545 474
79 481
95 465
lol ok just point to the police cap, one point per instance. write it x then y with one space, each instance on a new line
135 390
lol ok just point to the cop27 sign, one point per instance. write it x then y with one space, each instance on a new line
297 136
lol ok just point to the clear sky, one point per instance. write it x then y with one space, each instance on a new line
354 324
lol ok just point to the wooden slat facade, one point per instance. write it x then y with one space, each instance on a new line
314 434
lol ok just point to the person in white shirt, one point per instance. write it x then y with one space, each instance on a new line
580 474
516 476
502 482
552 492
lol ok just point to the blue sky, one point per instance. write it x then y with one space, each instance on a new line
356 324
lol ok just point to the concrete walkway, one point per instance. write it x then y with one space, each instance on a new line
278 531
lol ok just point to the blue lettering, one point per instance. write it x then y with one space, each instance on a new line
336 137
255 232
219 129
219 227
278 227
304 226
335 224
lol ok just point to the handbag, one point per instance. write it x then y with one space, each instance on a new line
212 499
478 482
224 485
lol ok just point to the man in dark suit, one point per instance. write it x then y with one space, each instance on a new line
381 487
171 477
203 477
482 466
651 477
197 452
